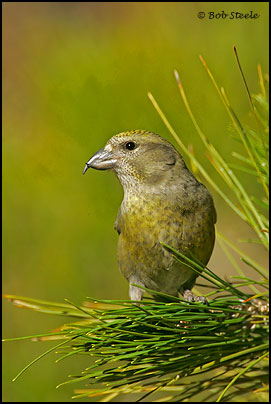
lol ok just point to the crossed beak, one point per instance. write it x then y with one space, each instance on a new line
102 160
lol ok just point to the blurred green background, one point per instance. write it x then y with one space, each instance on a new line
74 74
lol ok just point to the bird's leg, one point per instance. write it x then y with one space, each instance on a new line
190 297
135 293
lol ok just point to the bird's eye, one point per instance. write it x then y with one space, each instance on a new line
130 145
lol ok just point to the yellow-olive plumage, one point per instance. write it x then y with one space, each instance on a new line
163 202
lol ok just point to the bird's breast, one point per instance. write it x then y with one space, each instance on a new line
145 222
144 219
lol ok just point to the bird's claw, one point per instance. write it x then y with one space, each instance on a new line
190 297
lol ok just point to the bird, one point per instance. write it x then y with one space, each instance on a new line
163 204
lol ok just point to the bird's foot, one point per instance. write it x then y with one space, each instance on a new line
190 297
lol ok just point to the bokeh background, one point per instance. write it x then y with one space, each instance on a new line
74 74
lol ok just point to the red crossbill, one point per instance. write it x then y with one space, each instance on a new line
163 202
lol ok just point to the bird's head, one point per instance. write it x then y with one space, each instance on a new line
139 158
